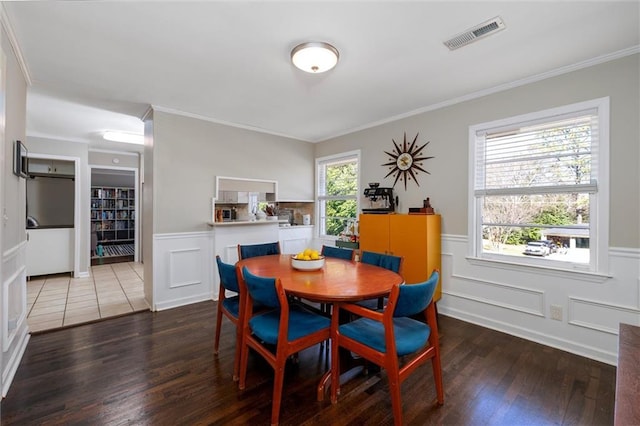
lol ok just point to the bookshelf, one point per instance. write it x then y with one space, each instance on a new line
113 214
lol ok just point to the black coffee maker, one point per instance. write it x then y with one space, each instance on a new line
378 200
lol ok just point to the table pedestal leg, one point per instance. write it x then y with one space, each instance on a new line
325 382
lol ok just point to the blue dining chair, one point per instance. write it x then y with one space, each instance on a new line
229 307
254 250
338 253
384 337
290 328
387 261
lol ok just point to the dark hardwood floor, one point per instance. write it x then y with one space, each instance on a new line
159 369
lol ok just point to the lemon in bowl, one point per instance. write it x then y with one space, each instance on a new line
307 260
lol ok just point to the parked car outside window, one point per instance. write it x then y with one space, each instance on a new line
537 248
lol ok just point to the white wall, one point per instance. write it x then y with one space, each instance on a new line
190 153
13 304
186 154
517 300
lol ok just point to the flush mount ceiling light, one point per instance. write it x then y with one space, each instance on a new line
314 57
123 137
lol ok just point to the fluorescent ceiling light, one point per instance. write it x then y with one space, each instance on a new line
123 137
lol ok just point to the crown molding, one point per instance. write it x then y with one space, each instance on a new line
224 123
8 28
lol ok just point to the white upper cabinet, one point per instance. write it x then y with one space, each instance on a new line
56 167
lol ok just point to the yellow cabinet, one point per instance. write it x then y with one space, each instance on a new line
414 237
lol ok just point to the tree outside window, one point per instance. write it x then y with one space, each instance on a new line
337 178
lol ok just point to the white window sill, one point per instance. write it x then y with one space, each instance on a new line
594 277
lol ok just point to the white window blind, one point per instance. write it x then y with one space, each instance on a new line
342 189
557 156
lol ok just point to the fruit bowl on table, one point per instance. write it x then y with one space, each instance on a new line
307 265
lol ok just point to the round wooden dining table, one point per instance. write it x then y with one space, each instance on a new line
337 281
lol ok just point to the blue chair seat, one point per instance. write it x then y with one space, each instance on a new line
301 323
411 335
232 304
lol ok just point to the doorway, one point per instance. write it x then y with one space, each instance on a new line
113 212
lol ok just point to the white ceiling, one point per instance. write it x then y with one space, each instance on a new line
97 66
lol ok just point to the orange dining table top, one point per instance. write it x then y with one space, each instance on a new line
337 281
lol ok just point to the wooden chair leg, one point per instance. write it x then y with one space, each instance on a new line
278 381
396 401
216 343
236 358
437 377
244 360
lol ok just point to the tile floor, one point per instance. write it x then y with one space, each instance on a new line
57 301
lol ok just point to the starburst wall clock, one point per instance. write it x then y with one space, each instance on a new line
406 162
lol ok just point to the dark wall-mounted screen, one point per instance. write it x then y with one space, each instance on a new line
20 160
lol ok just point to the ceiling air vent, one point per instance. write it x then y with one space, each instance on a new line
479 31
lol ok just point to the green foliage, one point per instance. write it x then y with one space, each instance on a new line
522 236
341 180
554 215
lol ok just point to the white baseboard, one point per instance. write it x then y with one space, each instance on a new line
176 303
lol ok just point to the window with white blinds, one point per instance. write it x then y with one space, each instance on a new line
338 190
555 156
539 186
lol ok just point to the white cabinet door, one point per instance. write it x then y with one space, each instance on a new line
229 196
63 167
49 251
295 239
56 167
243 198
39 166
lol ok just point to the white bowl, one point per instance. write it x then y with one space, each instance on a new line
307 265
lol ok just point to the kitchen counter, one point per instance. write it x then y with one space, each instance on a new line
50 227
246 223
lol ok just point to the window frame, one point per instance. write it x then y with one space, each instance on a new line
598 201
321 162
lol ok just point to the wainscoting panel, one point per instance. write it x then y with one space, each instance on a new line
519 302
185 267
182 269
525 300
15 333
597 316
